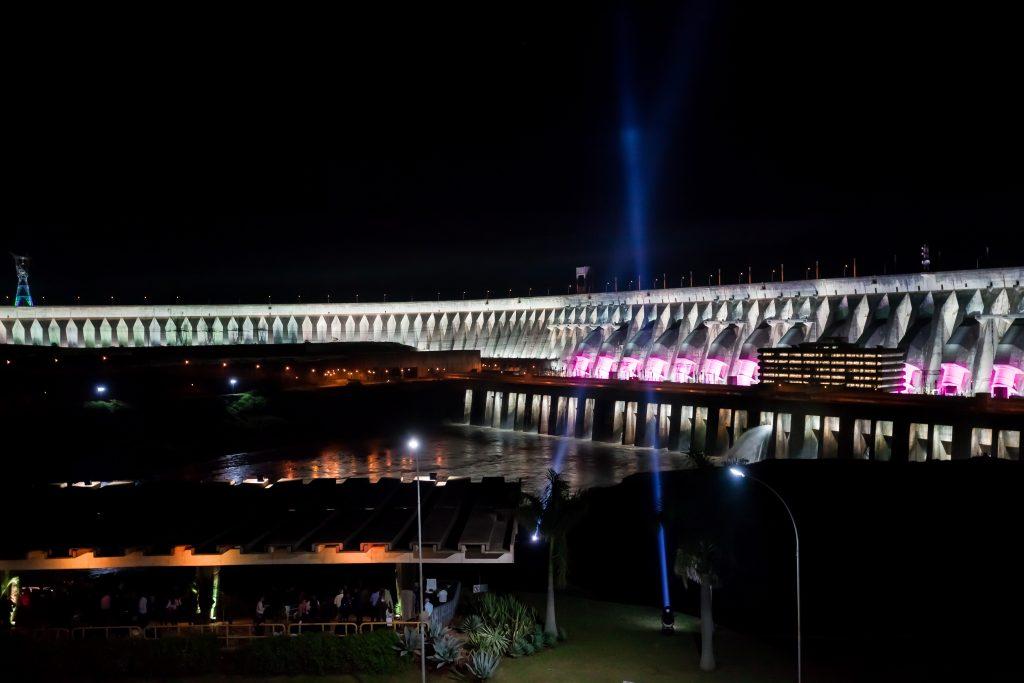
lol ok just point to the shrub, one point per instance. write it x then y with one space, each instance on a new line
447 651
550 639
373 652
409 643
492 639
523 648
506 613
482 665
471 623
320 653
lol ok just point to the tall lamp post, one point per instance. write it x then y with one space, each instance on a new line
414 446
742 474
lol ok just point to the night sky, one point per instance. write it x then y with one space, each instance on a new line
231 158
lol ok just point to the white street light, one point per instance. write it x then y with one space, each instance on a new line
233 382
414 446
742 474
101 389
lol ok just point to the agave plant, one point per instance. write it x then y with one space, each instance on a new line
409 643
481 665
435 629
522 648
536 638
447 651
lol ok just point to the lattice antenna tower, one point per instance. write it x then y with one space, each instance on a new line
23 297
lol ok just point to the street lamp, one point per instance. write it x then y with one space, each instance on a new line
740 473
414 446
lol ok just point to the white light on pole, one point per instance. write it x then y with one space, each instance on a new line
414 446
101 389
742 474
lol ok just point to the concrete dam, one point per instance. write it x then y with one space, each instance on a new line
962 331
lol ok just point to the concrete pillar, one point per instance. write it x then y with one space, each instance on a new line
618 422
900 440
711 436
699 433
521 418
845 450
673 427
561 404
961 441
604 418
530 416
546 418
797 427
640 430
476 412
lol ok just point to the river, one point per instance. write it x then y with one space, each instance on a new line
450 451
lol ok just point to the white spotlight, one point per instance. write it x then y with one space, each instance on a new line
101 389
413 443
233 381
737 472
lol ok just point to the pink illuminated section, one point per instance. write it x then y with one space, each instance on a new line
655 369
580 366
746 373
603 367
682 370
953 379
911 379
1007 381
627 367
714 371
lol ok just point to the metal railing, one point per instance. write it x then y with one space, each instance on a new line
299 627
393 625
106 632
48 633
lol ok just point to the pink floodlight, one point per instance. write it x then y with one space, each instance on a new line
745 373
627 367
953 379
911 379
1007 381
682 370
603 367
714 371
655 369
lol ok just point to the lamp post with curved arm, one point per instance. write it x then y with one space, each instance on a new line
414 446
742 474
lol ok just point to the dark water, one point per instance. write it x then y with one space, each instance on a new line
454 451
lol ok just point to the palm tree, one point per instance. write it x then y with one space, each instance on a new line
553 513
699 563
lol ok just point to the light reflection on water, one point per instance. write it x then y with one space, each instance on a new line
456 451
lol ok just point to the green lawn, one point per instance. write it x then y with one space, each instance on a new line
616 643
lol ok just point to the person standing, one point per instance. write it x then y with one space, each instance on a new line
339 600
143 611
105 602
261 611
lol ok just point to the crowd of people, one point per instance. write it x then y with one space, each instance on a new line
70 605
105 602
